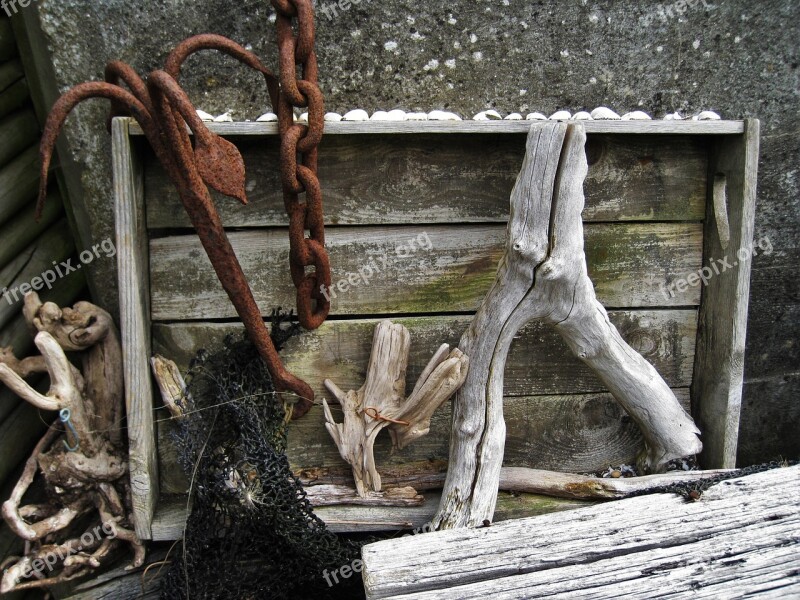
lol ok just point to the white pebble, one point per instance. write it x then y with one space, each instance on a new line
560 115
513 117
535 116
224 118
487 115
602 113
441 115
396 115
303 118
582 116
204 116
356 115
417 116
333 117
267 118
379 115
676 116
636 115
707 115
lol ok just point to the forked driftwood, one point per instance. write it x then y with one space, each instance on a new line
381 402
82 457
543 276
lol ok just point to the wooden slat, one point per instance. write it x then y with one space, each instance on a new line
132 261
19 434
539 361
17 131
171 515
14 97
627 262
10 73
19 182
23 229
740 539
722 325
55 244
369 180
8 45
653 127
579 433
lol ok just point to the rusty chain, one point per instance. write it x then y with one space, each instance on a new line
298 153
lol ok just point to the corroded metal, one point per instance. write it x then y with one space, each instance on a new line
164 111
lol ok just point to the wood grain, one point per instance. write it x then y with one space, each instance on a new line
722 325
654 127
579 433
460 178
18 131
19 181
743 533
539 361
451 270
132 261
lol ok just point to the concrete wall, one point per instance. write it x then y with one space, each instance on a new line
736 57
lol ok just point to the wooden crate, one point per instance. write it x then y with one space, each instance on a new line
653 216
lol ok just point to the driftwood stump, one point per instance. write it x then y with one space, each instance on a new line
543 276
82 457
381 401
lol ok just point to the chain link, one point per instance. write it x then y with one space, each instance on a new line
302 194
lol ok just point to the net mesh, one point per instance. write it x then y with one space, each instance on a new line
252 532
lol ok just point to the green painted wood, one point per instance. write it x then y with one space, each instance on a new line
8 45
450 270
23 229
19 183
461 178
25 273
10 72
15 97
17 132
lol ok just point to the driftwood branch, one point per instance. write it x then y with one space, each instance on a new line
81 457
381 401
543 276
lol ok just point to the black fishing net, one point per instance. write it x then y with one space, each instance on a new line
252 533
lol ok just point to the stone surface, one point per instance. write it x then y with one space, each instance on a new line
736 57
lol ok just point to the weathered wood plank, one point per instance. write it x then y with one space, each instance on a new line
132 261
434 179
19 182
654 127
8 45
18 131
19 433
573 433
743 531
451 269
722 324
171 514
539 361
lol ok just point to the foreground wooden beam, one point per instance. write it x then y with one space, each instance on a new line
742 532
543 276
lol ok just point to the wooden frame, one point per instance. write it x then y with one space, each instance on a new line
717 374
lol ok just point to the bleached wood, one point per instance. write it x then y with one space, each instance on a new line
411 127
722 325
332 495
741 537
381 402
170 383
134 299
543 276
